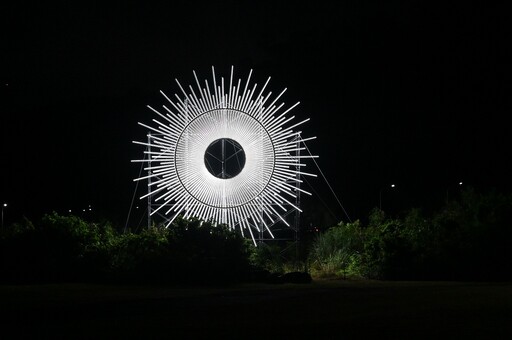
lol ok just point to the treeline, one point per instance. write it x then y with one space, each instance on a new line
468 239
67 248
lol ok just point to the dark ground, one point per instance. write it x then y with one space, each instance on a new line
324 309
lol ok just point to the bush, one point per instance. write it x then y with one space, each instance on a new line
66 248
59 248
338 251
467 240
268 257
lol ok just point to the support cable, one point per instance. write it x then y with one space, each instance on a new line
133 197
140 221
326 181
319 197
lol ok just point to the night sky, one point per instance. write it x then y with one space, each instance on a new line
412 94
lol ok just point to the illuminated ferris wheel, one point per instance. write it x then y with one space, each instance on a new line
226 152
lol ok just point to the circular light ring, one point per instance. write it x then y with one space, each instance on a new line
231 192
178 179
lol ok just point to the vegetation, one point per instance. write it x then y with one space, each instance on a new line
467 240
337 252
66 248
279 257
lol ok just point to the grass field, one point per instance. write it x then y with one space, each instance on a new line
323 309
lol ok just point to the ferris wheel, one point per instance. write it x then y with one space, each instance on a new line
225 151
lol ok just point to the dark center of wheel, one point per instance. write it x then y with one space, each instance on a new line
224 158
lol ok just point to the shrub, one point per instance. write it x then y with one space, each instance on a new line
338 251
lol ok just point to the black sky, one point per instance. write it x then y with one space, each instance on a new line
407 93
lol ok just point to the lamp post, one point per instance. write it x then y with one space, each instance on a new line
3 206
380 195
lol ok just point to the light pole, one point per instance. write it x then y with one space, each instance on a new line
3 206
380 195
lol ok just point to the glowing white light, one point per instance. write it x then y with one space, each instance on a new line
178 141
392 185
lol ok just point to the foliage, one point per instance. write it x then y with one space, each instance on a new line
268 257
468 239
66 248
338 250
474 233
57 248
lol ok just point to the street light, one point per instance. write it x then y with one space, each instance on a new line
380 195
3 206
